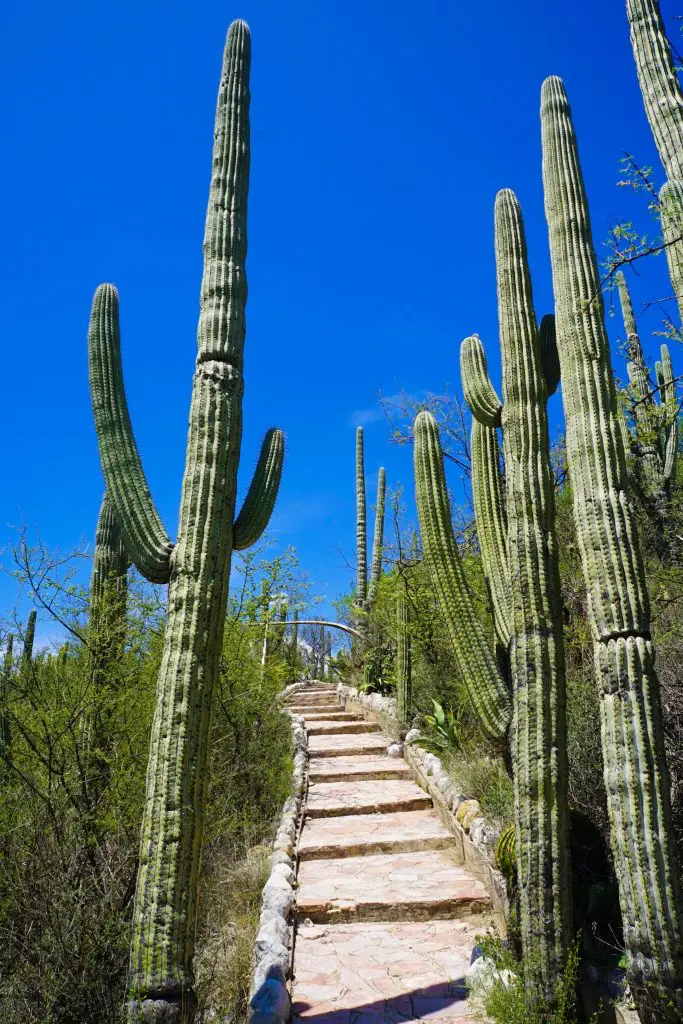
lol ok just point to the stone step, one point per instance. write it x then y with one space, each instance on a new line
331 799
363 766
324 715
381 973
335 745
427 885
333 728
313 709
354 835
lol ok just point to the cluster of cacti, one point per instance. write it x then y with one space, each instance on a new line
656 424
519 554
487 688
636 776
197 568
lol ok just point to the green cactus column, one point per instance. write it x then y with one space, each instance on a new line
197 568
636 776
476 662
378 538
671 211
108 589
403 652
649 461
536 645
361 518
661 91
29 639
5 686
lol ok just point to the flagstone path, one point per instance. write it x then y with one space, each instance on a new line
386 917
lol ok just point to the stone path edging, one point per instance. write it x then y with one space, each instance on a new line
269 1001
474 836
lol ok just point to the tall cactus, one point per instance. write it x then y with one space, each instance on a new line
636 776
529 550
29 638
403 653
486 687
655 441
108 589
378 538
361 528
5 684
197 568
659 85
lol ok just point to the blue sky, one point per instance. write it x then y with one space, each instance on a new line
380 135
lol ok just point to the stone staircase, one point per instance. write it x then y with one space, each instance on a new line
386 918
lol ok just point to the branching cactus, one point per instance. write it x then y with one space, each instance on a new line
656 437
636 776
197 568
529 573
403 653
486 686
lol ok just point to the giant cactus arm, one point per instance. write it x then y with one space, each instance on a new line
636 778
489 510
479 391
361 535
144 535
262 494
661 91
486 688
378 538
536 650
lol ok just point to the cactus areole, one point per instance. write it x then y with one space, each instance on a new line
636 776
197 568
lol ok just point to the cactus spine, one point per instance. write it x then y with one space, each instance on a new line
535 615
486 687
636 776
197 568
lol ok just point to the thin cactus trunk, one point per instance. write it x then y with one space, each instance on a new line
361 523
5 688
29 639
636 775
197 568
403 655
378 539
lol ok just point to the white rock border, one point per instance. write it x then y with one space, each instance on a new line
269 1001
474 836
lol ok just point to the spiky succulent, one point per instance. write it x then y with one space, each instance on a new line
197 567
636 776
519 553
